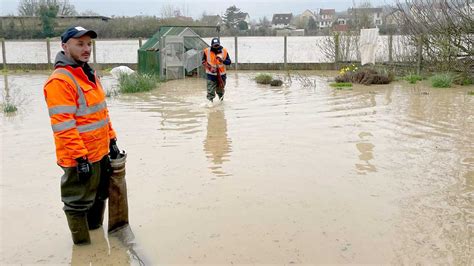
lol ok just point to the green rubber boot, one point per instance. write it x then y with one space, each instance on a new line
79 229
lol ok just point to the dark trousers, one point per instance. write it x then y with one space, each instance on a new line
79 196
212 89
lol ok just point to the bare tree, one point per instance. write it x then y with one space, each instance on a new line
347 43
444 29
32 7
28 8
170 11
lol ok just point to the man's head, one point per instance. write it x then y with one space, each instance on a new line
215 43
77 42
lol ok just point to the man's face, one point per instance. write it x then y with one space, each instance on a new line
78 49
215 46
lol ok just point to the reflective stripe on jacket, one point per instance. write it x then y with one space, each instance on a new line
211 58
79 116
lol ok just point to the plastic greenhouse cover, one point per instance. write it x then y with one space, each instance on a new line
192 59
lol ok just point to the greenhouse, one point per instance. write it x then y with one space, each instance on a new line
172 53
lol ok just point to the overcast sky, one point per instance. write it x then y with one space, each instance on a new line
255 8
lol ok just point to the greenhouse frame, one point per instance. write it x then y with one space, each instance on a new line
172 53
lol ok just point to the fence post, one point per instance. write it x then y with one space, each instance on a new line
140 42
419 50
48 50
390 48
236 43
285 56
94 57
336 48
4 54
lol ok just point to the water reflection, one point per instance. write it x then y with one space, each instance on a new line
366 154
118 249
98 252
217 144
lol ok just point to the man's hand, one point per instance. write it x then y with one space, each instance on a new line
114 149
84 169
219 58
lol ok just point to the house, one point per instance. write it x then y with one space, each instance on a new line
342 22
307 14
392 16
374 15
281 21
243 17
326 17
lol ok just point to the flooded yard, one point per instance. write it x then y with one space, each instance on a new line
273 175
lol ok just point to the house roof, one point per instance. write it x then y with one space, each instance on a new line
327 11
241 16
282 18
342 28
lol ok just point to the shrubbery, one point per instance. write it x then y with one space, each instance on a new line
132 83
441 80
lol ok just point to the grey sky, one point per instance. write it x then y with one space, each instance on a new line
255 8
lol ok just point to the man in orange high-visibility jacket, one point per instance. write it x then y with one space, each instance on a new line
214 61
83 133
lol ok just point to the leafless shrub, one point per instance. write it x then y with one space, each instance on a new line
444 28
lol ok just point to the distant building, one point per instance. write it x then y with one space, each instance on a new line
326 17
374 15
243 17
281 21
307 14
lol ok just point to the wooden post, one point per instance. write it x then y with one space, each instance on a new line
140 42
419 51
94 56
285 56
236 61
4 54
48 50
390 48
336 48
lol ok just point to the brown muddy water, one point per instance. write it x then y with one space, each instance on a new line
297 174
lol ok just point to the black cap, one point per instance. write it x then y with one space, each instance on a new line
215 41
76 32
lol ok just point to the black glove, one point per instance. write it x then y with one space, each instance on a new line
84 169
114 149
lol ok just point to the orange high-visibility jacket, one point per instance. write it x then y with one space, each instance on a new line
79 116
211 58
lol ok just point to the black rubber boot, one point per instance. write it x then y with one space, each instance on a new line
95 215
79 229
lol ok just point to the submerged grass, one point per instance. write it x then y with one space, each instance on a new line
9 108
441 80
470 93
135 82
340 84
413 78
264 78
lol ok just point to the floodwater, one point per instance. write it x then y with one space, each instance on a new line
268 49
296 174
